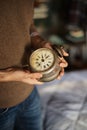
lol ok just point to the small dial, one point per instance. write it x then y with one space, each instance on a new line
42 59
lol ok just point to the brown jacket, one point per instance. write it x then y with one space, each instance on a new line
15 21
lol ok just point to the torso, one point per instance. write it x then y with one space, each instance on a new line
15 20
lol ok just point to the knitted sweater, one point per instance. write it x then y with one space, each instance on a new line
15 21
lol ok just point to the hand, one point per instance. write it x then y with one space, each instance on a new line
14 74
63 63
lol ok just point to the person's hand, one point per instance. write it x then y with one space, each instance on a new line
63 63
16 74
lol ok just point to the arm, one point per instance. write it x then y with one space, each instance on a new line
37 41
19 75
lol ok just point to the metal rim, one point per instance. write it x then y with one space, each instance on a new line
37 51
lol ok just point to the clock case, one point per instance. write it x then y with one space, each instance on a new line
53 71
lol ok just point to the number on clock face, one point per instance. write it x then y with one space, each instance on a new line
42 59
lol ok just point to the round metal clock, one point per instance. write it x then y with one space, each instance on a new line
45 61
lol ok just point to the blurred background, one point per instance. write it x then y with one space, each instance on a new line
64 102
63 22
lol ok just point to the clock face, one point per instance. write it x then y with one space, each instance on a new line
42 59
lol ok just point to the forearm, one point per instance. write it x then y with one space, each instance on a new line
10 74
19 75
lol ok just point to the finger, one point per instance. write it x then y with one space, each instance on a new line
39 82
35 75
64 52
61 73
63 62
35 81
32 81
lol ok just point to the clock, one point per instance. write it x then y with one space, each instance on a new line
45 61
